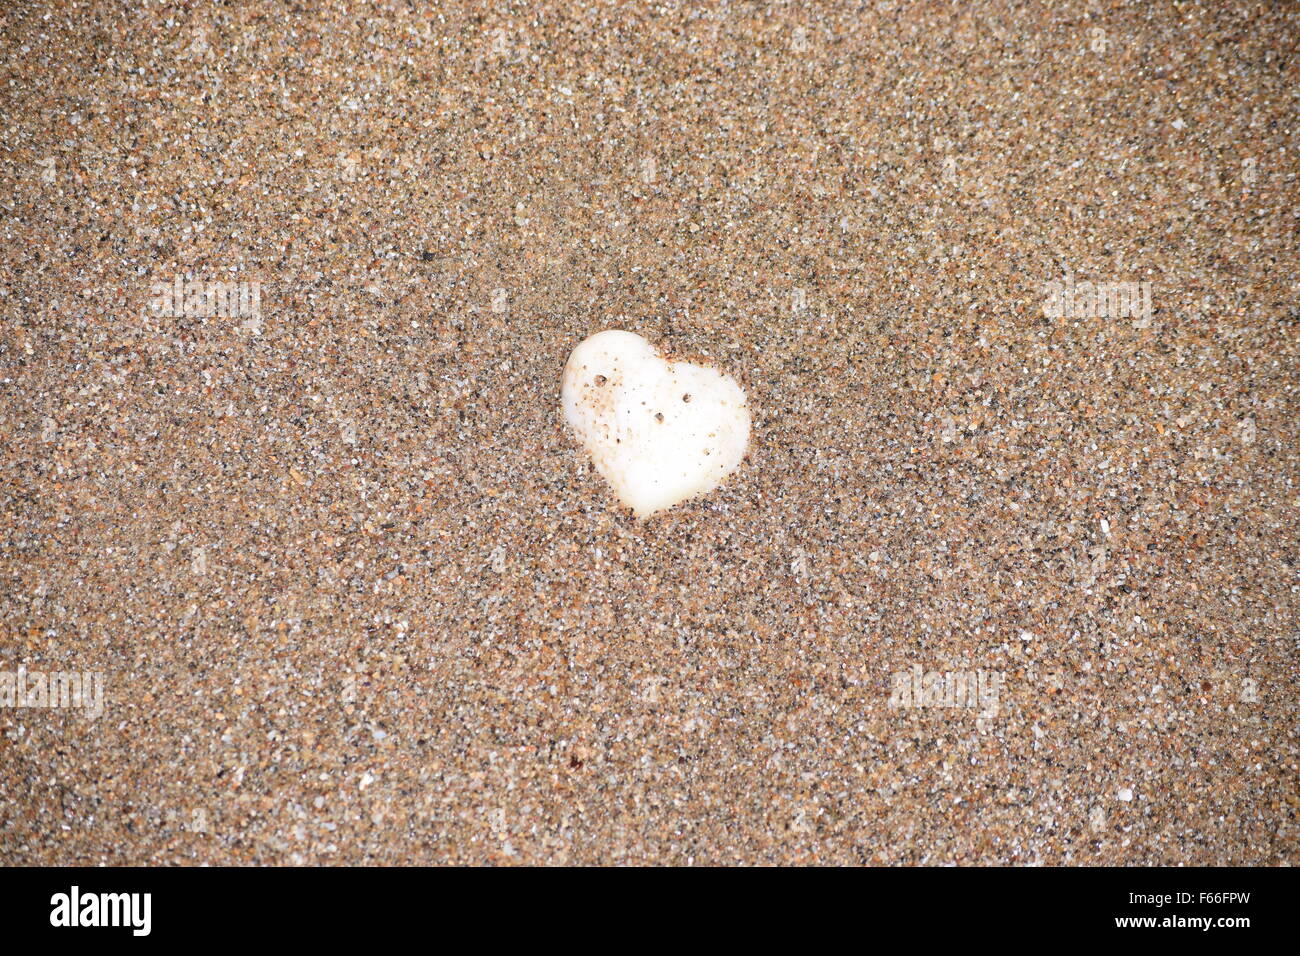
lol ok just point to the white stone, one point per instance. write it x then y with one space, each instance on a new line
659 432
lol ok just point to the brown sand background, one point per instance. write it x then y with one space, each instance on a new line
358 597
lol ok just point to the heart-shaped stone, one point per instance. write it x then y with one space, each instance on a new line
659 432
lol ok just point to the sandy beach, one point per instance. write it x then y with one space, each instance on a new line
1008 575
